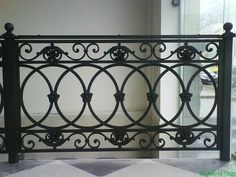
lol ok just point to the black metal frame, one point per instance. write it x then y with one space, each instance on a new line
17 138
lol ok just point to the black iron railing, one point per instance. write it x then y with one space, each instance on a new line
26 58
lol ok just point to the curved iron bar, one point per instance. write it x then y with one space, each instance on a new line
101 70
135 69
210 49
39 123
142 141
86 101
105 123
120 95
203 69
167 69
78 141
34 70
94 50
27 50
162 49
31 143
199 122
208 140
96 141
161 141
143 50
138 70
77 50
69 70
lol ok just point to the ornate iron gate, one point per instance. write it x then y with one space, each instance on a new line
107 56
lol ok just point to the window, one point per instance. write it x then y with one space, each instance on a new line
208 17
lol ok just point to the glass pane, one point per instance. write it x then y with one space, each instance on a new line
201 17
230 16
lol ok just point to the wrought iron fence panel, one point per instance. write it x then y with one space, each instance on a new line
38 71
105 56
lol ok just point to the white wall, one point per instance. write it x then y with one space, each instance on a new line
169 88
78 17
75 17
97 17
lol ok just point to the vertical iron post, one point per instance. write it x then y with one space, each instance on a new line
11 84
225 85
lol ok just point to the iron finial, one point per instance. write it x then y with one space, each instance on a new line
228 27
9 27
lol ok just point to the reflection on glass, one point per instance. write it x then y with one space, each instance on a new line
208 17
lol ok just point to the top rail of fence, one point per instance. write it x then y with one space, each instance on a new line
116 37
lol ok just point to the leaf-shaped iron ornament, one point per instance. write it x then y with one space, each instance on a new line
119 53
186 53
54 139
185 137
52 53
119 138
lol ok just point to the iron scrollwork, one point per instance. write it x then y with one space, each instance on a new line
52 53
119 138
184 137
120 52
186 53
54 139
207 141
187 137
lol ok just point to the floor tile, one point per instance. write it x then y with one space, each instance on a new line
194 165
102 167
55 168
228 170
6 168
117 168
149 168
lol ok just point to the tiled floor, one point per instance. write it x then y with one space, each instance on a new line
119 168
